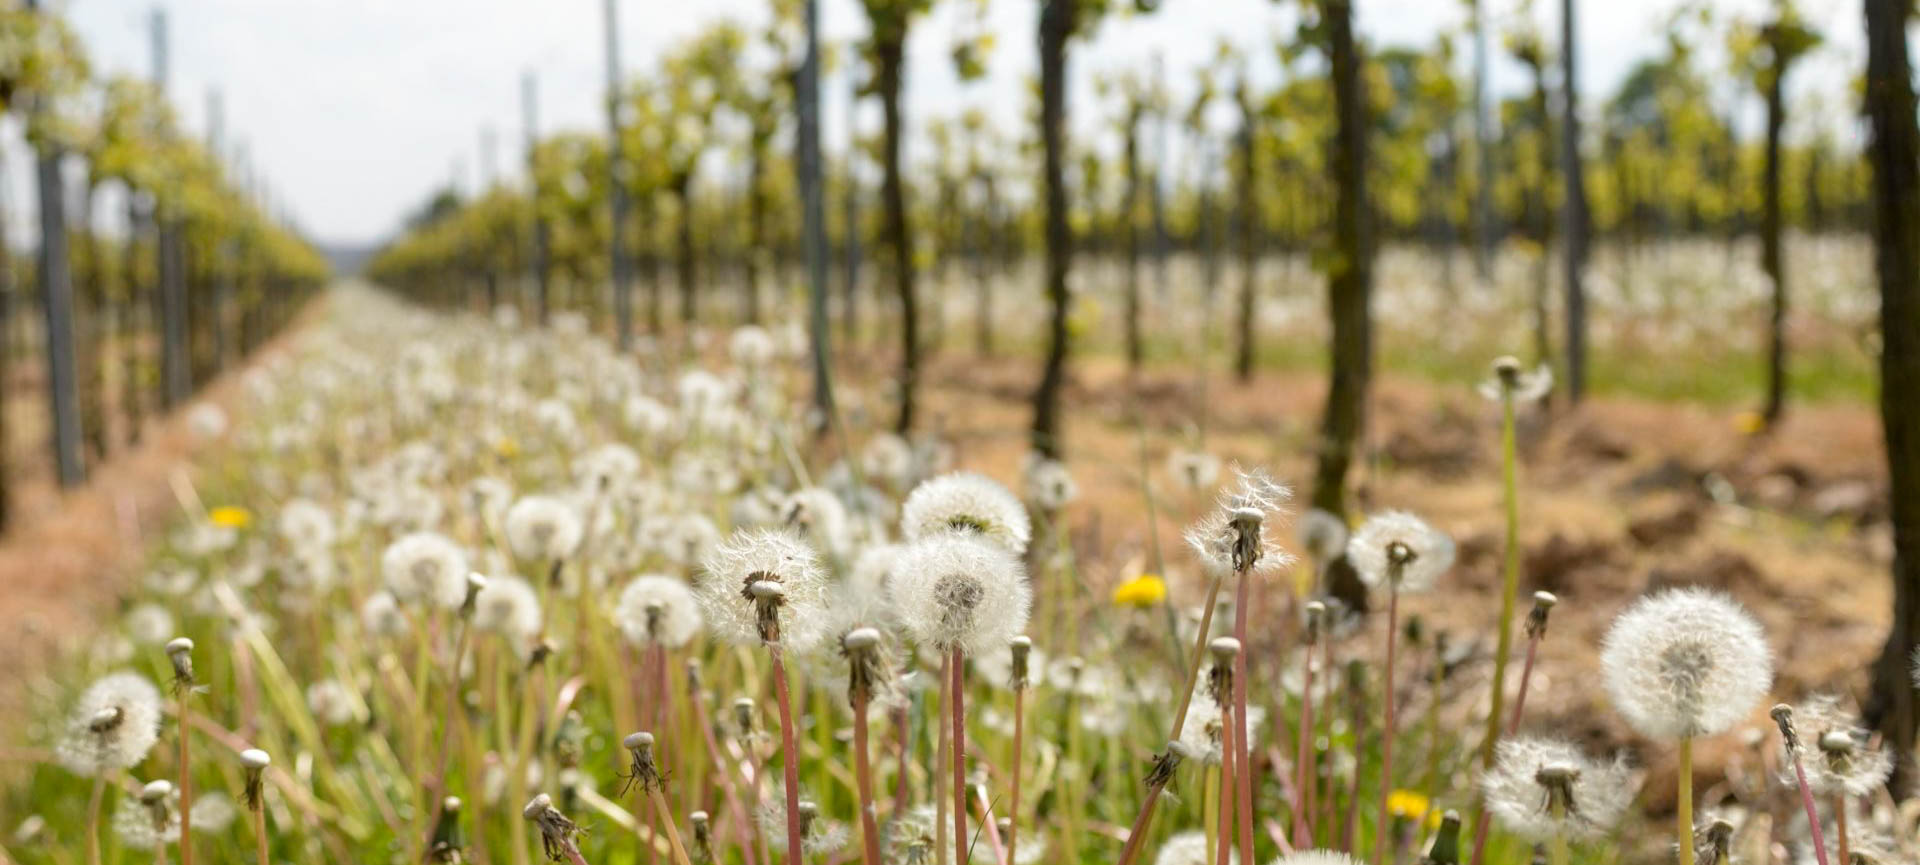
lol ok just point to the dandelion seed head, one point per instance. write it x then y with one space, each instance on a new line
149 624
688 540
213 812
113 725
1322 534
426 568
1315 857
887 458
817 515
1189 848
1398 548
1248 513
1048 484
1508 377
778 558
1835 750
1527 770
508 606
380 616
750 347
306 526
961 591
1684 663
1201 735
543 528
658 609
333 703
968 503
1195 471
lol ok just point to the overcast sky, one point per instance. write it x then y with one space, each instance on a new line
355 110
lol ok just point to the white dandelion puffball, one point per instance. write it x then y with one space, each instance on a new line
750 347
508 606
305 525
333 703
1684 663
658 609
149 624
887 458
207 421
543 528
966 502
113 725
1201 734
872 571
1509 378
1525 770
1397 550
380 616
212 812
1189 848
960 591
763 555
1193 470
1315 857
1049 486
817 514
426 568
1322 535
1836 753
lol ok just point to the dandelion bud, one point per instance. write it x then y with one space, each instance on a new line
556 831
743 716
1445 849
447 842
155 797
180 652
859 646
255 762
475 584
1713 843
642 772
702 836
1537 619
1783 716
1022 648
1220 675
1316 614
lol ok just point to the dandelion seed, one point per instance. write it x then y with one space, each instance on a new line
1541 789
1685 663
113 725
960 591
426 568
968 503
543 529
659 610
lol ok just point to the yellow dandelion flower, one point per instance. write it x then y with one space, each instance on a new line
1409 805
506 447
1146 590
1749 423
230 517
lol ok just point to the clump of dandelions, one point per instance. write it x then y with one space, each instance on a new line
959 591
1685 663
1542 789
762 579
113 725
655 609
1399 551
970 503
543 529
426 568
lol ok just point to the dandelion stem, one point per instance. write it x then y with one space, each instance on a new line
1013 804
1210 794
1223 852
742 824
1510 586
93 820
1243 764
1382 830
940 801
790 756
958 666
664 813
1683 814
186 787
260 836
1840 826
863 782
1557 845
1303 759
1813 813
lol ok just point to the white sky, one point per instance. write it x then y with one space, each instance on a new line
354 110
